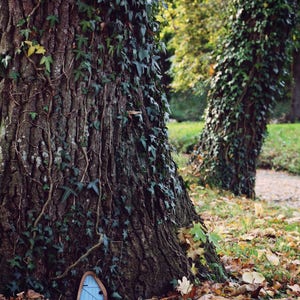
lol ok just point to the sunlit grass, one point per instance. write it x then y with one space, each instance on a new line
281 150
184 135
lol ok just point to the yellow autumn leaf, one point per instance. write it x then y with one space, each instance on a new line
31 50
194 269
39 49
29 43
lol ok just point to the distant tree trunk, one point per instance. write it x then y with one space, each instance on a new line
245 87
87 181
294 115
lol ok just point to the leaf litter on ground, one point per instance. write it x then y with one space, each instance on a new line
258 244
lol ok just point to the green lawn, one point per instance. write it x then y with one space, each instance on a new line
184 135
281 150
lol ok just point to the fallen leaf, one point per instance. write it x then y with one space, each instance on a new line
184 286
194 253
295 288
258 209
253 277
211 297
273 259
247 237
31 295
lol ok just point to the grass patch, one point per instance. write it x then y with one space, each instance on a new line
184 135
280 150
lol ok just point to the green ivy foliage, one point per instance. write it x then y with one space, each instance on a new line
244 90
115 42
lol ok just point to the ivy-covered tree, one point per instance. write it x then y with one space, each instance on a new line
87 181
244 90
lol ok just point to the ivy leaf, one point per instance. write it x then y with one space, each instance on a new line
47 61
214 239
116 295
6 60
33 115
30 51
31 48
52 20
68 192
198 233
94 186
39 49
81 40
139 68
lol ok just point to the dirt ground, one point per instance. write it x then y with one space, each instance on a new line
280 187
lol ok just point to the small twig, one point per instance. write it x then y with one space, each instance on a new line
34 9
87 253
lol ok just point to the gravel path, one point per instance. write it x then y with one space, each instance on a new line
279 187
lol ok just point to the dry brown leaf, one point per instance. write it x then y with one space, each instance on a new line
271 232
253 277
295 288
211 297
259 210
31 295
248 237
273 259
280 217
247 288
195 253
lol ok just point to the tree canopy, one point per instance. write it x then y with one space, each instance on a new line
193 32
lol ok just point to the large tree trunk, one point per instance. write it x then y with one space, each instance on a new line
86 180
294 115
245 88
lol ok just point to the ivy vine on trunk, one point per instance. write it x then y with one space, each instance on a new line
87 181
244 91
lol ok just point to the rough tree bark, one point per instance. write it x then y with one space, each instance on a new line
294 114
87 181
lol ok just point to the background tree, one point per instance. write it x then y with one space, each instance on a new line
86 177
244 90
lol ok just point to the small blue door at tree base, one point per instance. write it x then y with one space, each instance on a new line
91 289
